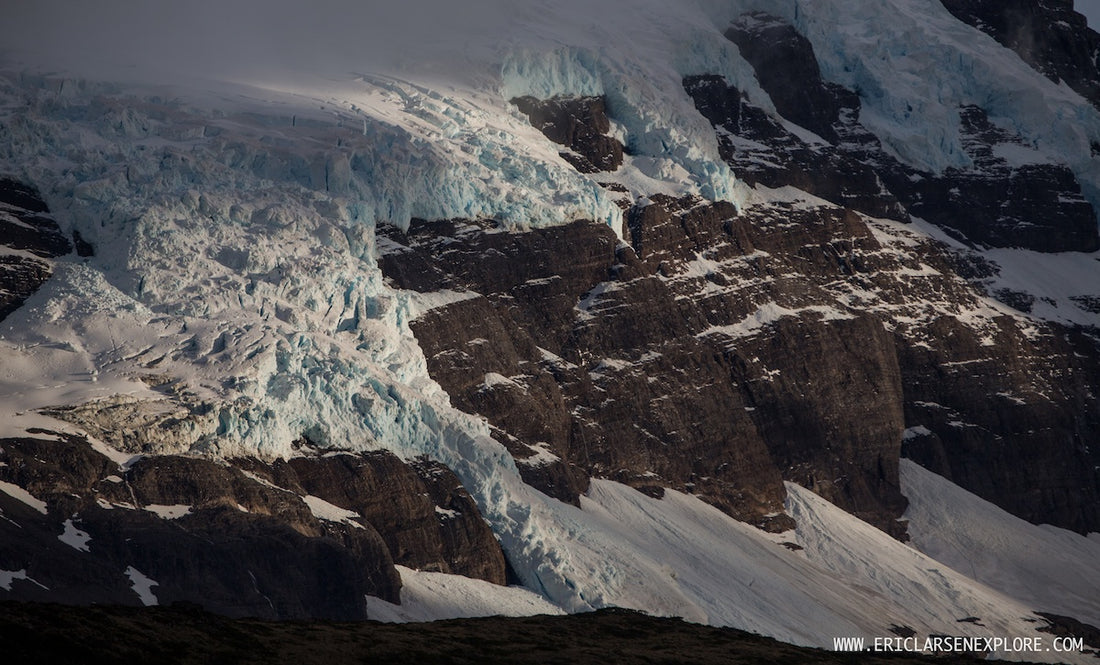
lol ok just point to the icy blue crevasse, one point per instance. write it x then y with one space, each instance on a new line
261 299
463 167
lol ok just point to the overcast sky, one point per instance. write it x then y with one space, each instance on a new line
232 39
239 39
1091 10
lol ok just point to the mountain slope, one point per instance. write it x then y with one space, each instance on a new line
565 253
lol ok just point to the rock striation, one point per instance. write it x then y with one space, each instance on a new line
720 352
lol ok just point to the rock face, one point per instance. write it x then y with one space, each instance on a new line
999 204
426 518
787 69
646 364
574 364
720 352
762 151
1024 463
580 124
1050 36
1010 421
305 538
810 336
1008 197
30 235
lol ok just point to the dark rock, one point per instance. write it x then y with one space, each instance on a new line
1064 626
794 372
25 223
992 202
238 538
831 411
427 519
579 123
239 564
574 364
787 70
203 483
82 246
1036 206
614 371
721 353
760 150
1017 300
23 197
25 226
1009 418
20 277
1087 303
242 548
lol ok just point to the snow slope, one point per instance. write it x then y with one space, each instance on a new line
678 556
427 596
1051 569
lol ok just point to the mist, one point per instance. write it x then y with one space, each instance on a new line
244 39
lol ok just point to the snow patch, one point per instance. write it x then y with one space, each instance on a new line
770 313
173 512
427 596
324 510
915 432
142 586
422 303
924 594
74 537
542 456
7 577
18 493
1049 569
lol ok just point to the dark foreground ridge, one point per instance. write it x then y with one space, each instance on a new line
46 633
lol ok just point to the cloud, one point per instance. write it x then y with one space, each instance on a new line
244 39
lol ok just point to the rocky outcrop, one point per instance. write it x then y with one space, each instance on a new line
282 539
1005 410
1010 418
31 236
787 69
648 364
580 124
584 366
426 518
721 352
1009 196
1001 204
761 150
1050 36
